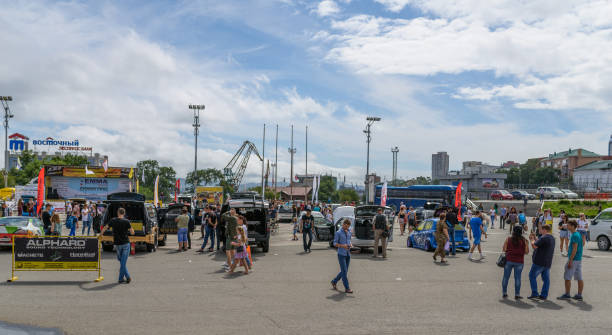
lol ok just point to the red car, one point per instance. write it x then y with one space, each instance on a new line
501 195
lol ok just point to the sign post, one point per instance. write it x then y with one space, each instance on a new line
55 253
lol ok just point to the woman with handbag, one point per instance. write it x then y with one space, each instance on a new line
515 248
441 238
241 252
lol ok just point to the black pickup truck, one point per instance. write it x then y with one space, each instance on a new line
142 217
255 209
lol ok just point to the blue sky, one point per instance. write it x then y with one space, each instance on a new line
507 81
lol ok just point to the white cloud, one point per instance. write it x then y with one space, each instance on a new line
327 8
558 52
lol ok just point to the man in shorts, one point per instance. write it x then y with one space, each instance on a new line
573 267
231 222
412 220
475 224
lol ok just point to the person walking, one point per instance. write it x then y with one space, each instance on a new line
543 251
296 226
411 214
342 241
512 218
182 226
475 224
56 226
515 247
220 229
441 238
502 218
564 233
402 218
573 267
583 227
86 221
71 223
46 219
241 254
381 232
492 215
306 224
209 222
121 228
452 222
231 222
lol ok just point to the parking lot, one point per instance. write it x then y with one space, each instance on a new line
289 293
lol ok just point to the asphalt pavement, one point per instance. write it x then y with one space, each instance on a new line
289 293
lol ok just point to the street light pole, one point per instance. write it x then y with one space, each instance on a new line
7 116
292 151
196 131
394 151
371 120
276 164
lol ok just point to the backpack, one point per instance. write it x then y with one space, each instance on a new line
70 222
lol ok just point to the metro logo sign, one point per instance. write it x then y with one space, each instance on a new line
17 142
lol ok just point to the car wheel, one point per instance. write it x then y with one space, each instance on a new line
603 243
163 241
266 246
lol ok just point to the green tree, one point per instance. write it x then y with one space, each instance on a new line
345 194
269 194
152 169
327 188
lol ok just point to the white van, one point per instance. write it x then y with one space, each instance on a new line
600 229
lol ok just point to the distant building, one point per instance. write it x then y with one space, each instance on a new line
594 176
510 164
567 161
439 165
478 179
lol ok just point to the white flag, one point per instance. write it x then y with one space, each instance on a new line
155 192
87 171
314 188
105 165
318 186
18 164
383 195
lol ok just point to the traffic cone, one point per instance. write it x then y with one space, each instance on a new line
249 252
132 248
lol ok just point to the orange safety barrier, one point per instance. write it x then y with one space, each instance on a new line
597 195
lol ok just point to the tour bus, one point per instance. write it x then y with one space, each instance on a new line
417 195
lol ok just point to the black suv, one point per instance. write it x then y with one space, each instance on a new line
255 209
142 217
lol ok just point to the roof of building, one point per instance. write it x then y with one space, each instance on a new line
599 165
18 135
571 153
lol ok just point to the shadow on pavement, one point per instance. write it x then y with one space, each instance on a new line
583 306
98 288
549 305
441 264
516 303
339 296
45 283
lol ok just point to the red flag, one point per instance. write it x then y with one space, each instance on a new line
41 189
458 200
177 189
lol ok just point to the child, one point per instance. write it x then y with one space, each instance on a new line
56 227
241 253
295 229
71 221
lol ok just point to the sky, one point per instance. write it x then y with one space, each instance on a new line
509 80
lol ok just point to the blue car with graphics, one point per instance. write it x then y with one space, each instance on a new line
423 237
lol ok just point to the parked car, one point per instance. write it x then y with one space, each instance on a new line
569 194
551 192
167 225
363 235
19 226
251 206
521 195
423 237
284 214
323 229
600 229
501 195
142 217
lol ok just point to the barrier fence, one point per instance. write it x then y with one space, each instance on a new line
55 253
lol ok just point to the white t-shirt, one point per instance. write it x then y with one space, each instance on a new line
582 225
492 212
85 214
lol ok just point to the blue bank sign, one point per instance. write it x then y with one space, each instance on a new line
18 142
52 142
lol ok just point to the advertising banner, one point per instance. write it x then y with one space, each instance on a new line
490 183
212 194
86 188
56 253
65 171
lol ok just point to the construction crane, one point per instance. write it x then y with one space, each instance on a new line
233 175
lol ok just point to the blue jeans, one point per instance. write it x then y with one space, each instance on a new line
344 265
72 231
210 231
123 251
88 225
451 234
307 232
518 270
535 271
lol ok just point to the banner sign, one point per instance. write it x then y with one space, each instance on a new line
87 188
212 194
490 183
56 253
65 171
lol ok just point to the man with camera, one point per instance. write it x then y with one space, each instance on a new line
381 232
